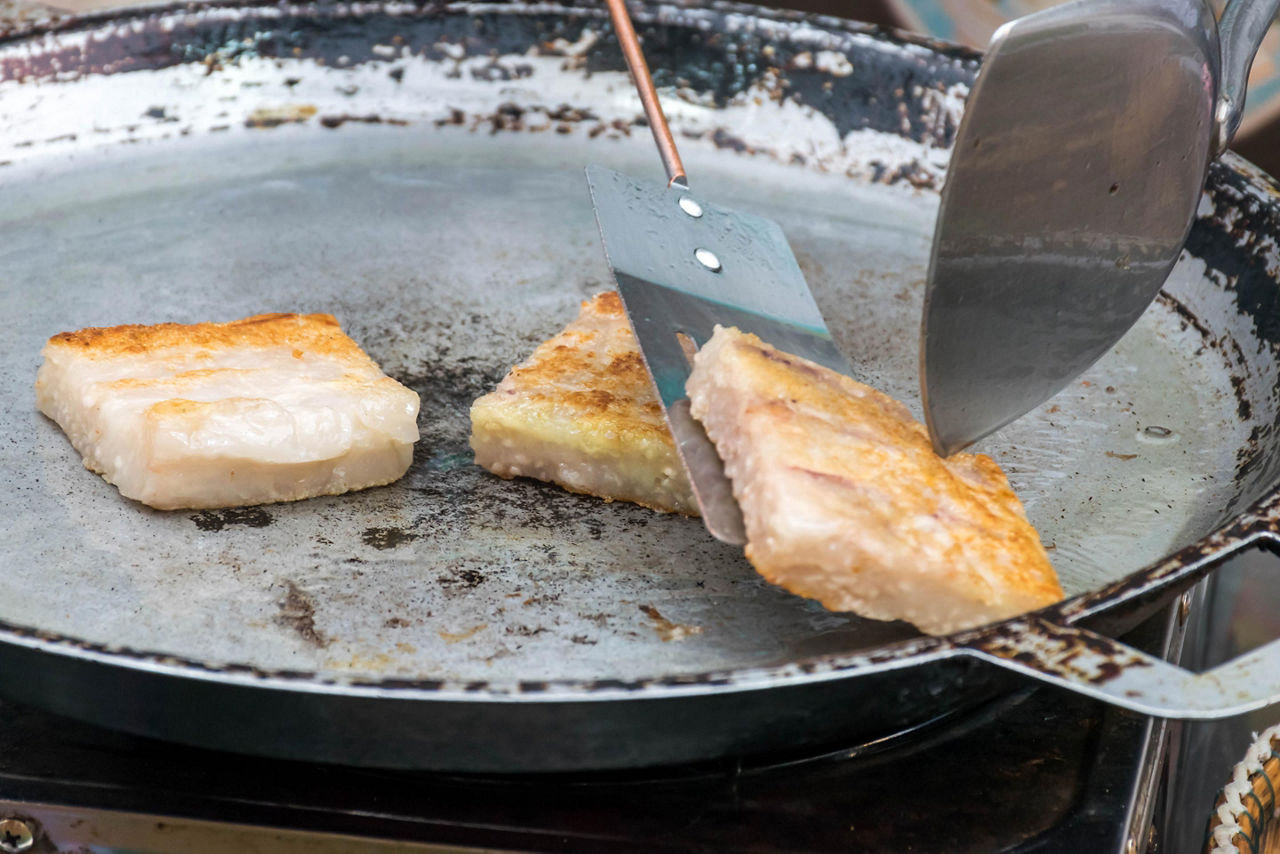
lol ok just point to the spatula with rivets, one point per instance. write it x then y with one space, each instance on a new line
683 265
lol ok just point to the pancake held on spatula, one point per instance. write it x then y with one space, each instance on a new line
275 407
582 412
845 501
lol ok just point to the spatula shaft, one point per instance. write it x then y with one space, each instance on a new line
643 80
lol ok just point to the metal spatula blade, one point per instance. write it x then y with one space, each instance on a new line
1073 183
683 265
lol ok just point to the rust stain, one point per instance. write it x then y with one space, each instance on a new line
1060 650
1116 456
457 637
666 629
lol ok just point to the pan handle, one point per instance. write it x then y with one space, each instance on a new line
1240 32
1105 669
1108 670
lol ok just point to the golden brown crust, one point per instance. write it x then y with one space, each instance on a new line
582 412
569 370
608 304
845 501
315 333
176 406
969 484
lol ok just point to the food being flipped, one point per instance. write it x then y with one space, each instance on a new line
275 407
582 412
845 501
843 497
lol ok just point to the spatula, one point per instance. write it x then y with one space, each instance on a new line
683 265
1073 183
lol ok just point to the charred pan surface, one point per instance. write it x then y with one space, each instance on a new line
217 520
1236 239
720 54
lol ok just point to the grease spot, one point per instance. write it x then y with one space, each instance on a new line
666 629
271 117
366 663
457 637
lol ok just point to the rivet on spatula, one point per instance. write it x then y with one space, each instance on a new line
708 259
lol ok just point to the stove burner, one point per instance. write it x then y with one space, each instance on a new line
1036 770
1019 767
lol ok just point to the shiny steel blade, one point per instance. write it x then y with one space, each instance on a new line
1073 183
684 265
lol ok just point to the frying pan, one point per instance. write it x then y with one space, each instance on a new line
416 170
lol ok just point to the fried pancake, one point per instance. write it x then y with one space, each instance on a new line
845 501
582 412
275 407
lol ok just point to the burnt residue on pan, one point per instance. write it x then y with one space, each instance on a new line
217 520
338 121
1052 649
708 54
386 538
298 614
1235 239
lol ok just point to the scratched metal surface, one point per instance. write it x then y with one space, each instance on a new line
419 175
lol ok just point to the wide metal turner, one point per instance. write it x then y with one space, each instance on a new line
1074 179
684 265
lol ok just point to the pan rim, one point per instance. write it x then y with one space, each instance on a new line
1254 526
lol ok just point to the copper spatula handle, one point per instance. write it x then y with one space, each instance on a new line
630 43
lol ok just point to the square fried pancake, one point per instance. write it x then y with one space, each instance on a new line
274 407
582 412
846 502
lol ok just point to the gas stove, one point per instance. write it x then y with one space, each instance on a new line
1037 770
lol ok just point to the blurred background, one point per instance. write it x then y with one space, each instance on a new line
971 22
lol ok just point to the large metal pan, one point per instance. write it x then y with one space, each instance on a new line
416 170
